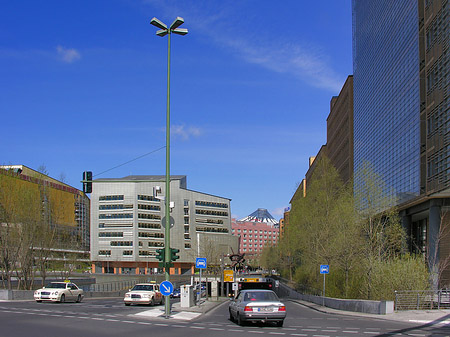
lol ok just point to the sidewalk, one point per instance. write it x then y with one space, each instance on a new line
202 307
417 316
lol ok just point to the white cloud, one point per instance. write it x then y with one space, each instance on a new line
68 55
305 62
185 132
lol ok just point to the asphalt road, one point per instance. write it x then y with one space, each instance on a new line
109 317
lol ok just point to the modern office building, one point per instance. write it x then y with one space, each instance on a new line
126 224
401 113
340 131
66 208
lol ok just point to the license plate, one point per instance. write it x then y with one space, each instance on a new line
45 297
265 309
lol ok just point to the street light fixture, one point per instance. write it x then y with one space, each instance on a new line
163 31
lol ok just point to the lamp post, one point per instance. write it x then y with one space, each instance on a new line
163 31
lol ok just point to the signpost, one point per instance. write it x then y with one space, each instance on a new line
200 263
324 269
166 288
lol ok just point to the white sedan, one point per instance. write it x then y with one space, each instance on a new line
59 292
144 293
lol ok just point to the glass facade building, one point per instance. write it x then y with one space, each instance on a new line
387 93
401 59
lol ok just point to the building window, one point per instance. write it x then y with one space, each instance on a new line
110 235
104 252
149 225
151 235
148 198
127 252
149 207
210 204
187 245
110 197
121 243
116 216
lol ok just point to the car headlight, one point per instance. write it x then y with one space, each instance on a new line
36 293
127 295
146 295
55 293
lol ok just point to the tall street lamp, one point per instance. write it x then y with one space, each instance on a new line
163 31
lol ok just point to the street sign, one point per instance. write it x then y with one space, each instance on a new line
171 222
235 286
228 276
324 269
166 288
200 262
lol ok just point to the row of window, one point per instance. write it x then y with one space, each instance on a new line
115 206
150 235
110 197
147 198
212 229
149 225
149 207
116 216
110 235
149 216
207 212
121 243
109 225
210 204
213 221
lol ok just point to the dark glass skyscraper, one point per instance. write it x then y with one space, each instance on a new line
401 60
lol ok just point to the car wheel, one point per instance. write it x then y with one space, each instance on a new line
239 319
152 302
127 304
62 299
231 316
280 323
79 299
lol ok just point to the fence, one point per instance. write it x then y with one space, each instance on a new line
422 300
110 286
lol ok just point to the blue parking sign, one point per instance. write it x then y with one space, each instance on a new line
200 262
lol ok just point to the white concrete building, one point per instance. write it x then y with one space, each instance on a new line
126 230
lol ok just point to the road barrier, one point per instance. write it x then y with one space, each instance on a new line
422 300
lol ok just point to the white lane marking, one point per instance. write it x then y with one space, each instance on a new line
349 331
253 331
197 327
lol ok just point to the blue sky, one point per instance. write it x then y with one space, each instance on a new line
84 88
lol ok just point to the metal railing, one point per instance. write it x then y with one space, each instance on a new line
422 300
110 286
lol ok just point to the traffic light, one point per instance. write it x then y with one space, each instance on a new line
161 254
173 254
87 182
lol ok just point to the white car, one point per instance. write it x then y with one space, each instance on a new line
59 292
144 293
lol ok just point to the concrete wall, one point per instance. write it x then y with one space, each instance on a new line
17 295
370 307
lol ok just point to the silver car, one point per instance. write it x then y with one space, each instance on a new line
255 305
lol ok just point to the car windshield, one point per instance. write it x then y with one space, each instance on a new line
143 287
260 296
56 285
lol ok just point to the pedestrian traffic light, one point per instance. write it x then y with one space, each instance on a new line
87 182
161 254
173 254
